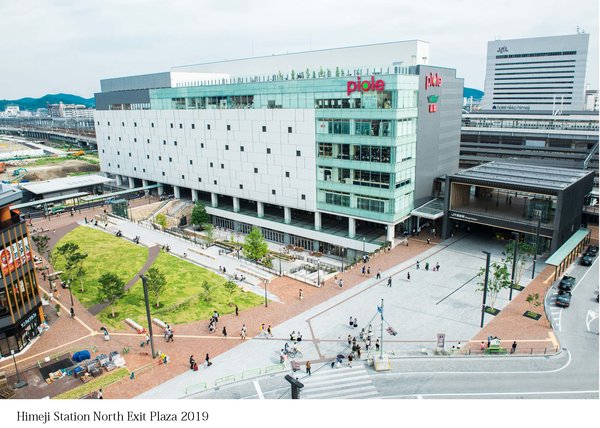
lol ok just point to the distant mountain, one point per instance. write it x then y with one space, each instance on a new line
470 92
35 103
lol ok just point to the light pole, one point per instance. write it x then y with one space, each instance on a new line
514 265
485 283
342 250
381 345
537 241
266 305
148 316
71 295
20 383
364 252
318 273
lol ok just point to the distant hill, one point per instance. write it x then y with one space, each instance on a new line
35 103
470 92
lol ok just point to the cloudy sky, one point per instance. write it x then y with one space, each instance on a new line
51 46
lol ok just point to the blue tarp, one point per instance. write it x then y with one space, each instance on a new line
81 356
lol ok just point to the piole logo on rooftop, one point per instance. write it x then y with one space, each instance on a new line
365 85
432 80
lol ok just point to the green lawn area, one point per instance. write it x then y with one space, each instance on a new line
181 301
106 253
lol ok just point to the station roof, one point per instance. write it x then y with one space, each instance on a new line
519 174
67 183
431 210
9 194
48 200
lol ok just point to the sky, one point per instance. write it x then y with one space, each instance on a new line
52 46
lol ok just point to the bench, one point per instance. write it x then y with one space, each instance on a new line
495 350
138 328
159 323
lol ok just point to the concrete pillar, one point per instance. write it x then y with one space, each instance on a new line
194 195
119 181
144 184
287 215
260 209
351 227
131 183
214 200
315 245
317 221
161 189
177 192
236 205
390 233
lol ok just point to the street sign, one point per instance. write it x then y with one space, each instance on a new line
441 340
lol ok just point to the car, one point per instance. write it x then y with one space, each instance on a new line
566 283
592 251
563 299
586 260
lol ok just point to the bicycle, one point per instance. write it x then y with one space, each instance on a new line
293 353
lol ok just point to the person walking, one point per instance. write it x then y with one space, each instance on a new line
349 340
355 323
192 362
482 347
377 344
369 270
437 267
513 348
350 357
270 332
407 276
224 331
358 351
427 266
100 394
308 368
351 322
262 329
427 241
300 294
243 332
378 273
341 282
170 339
363 270
418 265
147 339
389 282
207 359
237 310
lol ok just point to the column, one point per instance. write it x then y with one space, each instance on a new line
145 184
194 195
317 221
351 227
236 205
119 181
131 183
214 200
287 215
260 209
177 192
161 189
390 233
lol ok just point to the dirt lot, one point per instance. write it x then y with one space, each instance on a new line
57 170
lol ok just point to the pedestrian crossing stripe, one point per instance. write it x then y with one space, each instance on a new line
347 382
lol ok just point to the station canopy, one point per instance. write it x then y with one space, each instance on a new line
66 183
119 193
431 210
48 200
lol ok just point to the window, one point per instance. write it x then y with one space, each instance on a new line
135 140
148 140
160 158
222 166
144 170
182 176
175 143
147 156
109 164
163 173
215 181
211 164
226 146
241 148
108 137
264 129
289 129
122 123
102 150
193 126
164 142
268 151
208 126
199 180
273 192
135 124
241 186
129 154
152 124
98 123
191 163
170 159
134 168
229 127
118 166
118 153
119 138
201 145
256 170
181 126
108 123
287 174
171 125
368 204
342 199
298 153
303 197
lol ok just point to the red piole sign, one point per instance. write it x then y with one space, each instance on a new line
365 85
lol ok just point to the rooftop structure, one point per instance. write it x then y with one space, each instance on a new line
50 188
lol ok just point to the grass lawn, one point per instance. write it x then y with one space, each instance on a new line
106 253
180 302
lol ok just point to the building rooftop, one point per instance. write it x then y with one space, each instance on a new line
524 175
9 194
67 183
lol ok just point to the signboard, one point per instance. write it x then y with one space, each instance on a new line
441 340
365 85
460 216
433 80
14 256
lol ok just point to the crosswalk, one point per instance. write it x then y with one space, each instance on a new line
345 382
554 312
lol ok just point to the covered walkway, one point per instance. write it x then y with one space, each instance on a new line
568 251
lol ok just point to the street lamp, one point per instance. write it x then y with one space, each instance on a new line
20 383
318 273
485 284
71 295
514 265
364 246
342 251
266 305
537 242
148 316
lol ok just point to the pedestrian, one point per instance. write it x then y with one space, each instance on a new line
299 338
407 276
308 368
270 332
167 330
262 329
355 323
300 294
482 347
341 283
220 268
349 340
427 266
363 270
147 339
362 334
358 351
237 310
100 394
389 282
378 273
427 241
170 339
350 357
293 336
224 331
192 362
369 270
351 322
513 348
353 342
418 265
437 267
207 359
243 332
370 331
368 344
377 344
72 312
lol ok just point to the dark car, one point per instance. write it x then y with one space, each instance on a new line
566 283
592 251
563 299
586 260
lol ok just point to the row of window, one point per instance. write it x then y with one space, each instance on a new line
298 152
501 64
362 202
535 78
535 67
536 54
534 83
193 126
536 72
359 177
355 152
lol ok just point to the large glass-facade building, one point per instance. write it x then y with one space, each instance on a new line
320 157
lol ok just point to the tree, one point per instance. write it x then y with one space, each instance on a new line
498 280
41 244
209 232
255 246
74 266
231 287
207 289
161 220
533 300
111 288
156 283
80 274
525 251
199 214
72 257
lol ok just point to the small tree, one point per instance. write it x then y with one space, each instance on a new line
199 214
111 288
498 280
80 274
525 252
74 266
209 232
534 300
231 287
156 283
41 244
255 246
207 289
161 220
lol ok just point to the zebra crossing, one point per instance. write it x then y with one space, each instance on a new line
554 312
345 382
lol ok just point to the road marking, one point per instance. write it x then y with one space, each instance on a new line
456 394
258 390
591 316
